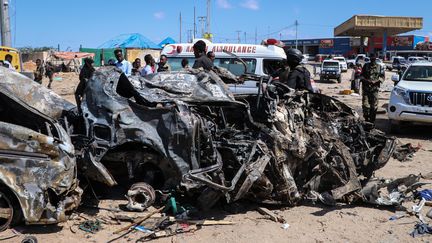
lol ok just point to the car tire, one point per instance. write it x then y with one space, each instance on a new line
8 201
390 69
339 80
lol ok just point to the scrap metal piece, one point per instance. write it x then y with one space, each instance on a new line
390 192
140 196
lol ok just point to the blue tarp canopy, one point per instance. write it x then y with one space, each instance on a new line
134 40
167 41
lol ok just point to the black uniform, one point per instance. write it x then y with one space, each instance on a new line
85 74
203 62
298 78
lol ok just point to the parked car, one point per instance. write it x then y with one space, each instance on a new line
415 59
343 63
398 63
411 98
331 69
359 58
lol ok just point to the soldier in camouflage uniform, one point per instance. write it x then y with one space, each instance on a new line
371 82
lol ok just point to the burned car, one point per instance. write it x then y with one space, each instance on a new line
38 172
186 131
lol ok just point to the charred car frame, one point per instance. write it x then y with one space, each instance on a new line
38 175
185 131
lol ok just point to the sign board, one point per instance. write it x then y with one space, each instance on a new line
401 41
328 43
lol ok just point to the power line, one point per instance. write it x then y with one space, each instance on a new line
277 32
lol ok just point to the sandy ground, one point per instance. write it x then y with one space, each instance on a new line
308 223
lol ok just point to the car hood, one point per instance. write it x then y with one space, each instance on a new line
416 85
33 94
184 86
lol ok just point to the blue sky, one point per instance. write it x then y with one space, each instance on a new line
91 22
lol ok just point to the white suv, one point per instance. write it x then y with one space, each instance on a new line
411 98
343 63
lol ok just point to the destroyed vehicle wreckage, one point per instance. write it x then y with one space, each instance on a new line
38 175
185 131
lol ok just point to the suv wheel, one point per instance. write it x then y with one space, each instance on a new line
339 79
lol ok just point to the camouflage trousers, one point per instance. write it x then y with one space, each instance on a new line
370 104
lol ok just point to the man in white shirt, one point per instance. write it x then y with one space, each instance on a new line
8 62
150 66
123 64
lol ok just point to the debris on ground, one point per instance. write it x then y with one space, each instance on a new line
90 226
421 229
406 152
139 221
391 192
271 215
425 194
29 239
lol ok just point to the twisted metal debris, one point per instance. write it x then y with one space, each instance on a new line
186 131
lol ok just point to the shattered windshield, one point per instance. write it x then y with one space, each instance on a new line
331 64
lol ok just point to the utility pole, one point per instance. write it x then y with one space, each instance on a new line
208 19
238 36
201 20
245 40
296 26
5 23
190 36
194 23
180 37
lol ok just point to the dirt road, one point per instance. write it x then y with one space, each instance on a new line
307 223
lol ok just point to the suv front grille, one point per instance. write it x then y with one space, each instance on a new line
421 99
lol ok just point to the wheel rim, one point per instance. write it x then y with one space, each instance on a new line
6 212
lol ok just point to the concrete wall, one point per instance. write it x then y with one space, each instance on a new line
132 54
43 55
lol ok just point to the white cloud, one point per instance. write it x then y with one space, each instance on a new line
159 15
223 4
250 4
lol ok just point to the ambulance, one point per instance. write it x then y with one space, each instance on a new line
264 59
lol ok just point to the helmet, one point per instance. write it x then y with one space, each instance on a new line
293 55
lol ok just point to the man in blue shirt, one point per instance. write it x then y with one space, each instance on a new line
123 64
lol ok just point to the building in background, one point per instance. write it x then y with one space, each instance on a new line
347 46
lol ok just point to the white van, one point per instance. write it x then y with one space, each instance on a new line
260 59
